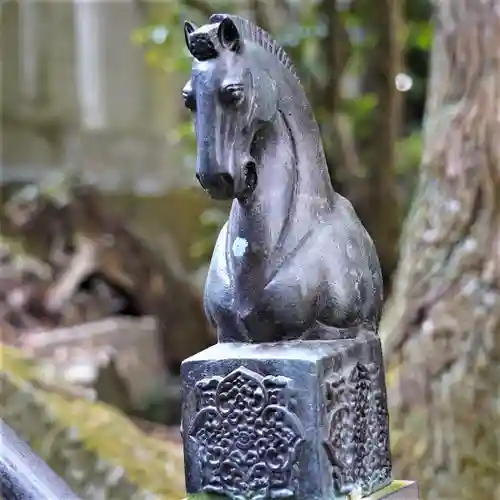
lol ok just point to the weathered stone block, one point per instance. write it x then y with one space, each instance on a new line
296 419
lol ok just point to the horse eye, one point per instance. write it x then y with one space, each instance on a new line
232 94
189 101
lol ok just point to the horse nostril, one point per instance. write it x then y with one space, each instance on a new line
250 175
226 180
250 168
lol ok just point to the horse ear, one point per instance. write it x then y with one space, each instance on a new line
217 18
229 35
188 29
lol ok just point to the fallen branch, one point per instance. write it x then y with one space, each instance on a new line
81 265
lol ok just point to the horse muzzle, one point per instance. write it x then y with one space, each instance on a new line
219 186
223 186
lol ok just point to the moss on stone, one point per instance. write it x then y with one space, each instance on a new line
388 490
97 450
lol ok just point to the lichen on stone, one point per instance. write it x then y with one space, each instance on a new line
94 448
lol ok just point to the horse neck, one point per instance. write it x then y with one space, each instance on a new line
293 188
313 178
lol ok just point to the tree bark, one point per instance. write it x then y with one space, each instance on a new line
442 325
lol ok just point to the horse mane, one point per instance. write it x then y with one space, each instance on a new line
253 33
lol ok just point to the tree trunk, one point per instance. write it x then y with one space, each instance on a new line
382 210
442 324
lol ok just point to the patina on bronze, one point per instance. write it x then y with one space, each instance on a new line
293 261
291 402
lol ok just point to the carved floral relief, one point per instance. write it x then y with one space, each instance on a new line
358 441
248 436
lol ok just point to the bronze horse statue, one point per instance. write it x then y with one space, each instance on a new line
293 261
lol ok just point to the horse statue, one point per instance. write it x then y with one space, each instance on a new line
293 261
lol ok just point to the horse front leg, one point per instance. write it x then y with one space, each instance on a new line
220 312
230 329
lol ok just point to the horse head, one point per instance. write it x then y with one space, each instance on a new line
231 98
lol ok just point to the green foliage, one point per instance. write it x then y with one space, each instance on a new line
409 152
212 220
359 109
420 35
162 39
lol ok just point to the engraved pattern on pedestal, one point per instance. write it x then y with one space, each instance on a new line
358 441
248 436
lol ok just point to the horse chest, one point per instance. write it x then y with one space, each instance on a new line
254 300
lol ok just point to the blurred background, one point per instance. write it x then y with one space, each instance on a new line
106 237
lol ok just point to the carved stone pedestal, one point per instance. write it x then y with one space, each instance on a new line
303 420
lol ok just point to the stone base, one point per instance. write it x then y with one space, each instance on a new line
305 420
397 490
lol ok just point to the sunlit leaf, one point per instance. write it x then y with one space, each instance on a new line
423 40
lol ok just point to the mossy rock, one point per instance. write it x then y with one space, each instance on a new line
95 449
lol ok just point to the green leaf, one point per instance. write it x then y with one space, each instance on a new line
420 35
424 37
